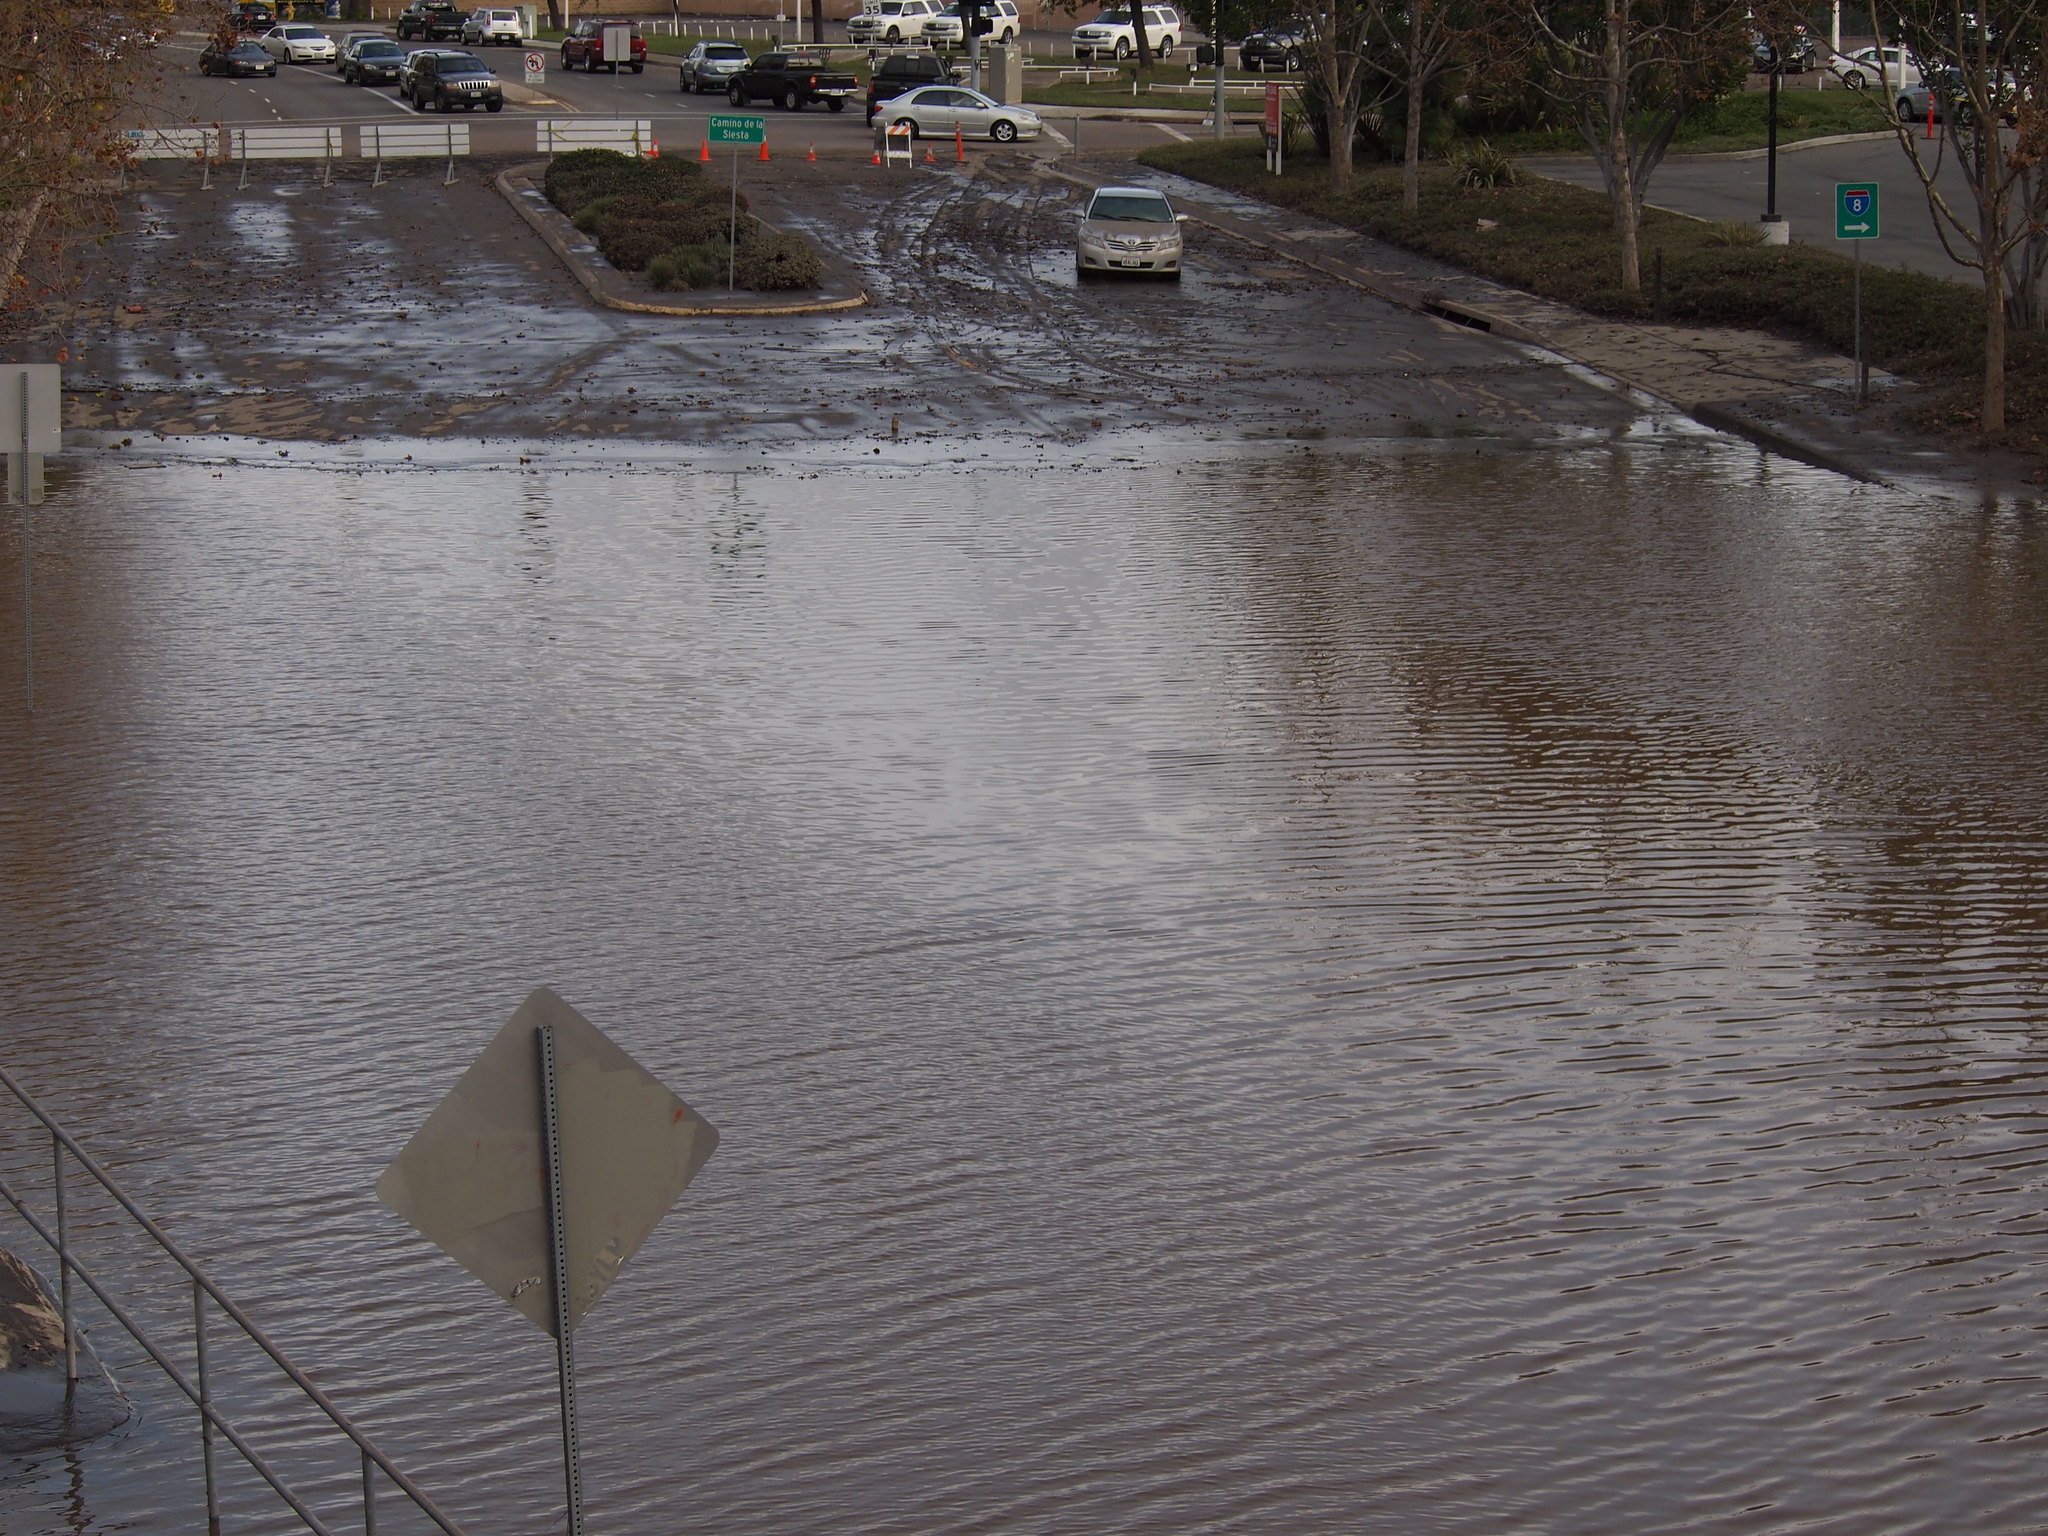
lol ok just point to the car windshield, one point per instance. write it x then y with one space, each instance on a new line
302 32
456 63
724 51
248 51
381 49
1131 207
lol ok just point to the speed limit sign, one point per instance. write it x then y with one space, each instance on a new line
536 69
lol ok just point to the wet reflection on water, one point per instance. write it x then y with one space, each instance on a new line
1442 992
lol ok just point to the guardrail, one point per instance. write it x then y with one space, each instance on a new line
414 141
559 135
199 1388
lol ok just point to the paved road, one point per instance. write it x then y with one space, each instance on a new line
1734 189
315 94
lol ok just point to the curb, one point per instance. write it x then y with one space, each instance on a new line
600 278
1787 149
1725 416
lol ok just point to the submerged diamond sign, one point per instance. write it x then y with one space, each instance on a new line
473 1179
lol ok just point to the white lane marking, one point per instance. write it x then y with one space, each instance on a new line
1055 135
1175 132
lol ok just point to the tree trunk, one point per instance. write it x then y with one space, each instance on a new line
15 229
1343 122
1621 178
1991 418
1411 158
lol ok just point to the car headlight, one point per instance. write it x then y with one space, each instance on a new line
1095 238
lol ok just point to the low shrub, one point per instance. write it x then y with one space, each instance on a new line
580 177
689 266
776 260
1480 165
1733 232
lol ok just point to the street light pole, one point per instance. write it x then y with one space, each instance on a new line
1775 230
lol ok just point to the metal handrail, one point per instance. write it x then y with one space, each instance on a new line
203 1286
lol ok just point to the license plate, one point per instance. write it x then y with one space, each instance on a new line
1118 261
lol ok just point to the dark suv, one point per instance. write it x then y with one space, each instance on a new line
431 21
585 45
451 80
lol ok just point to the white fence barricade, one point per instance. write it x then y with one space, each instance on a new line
628 135
414 141
171 143
315 143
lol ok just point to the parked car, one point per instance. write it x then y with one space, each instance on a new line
1798 54
793 79
1129 229
1282 46
1114 34
429 21
349 40
373 61
296 43
446 81
710 67
892 21
254 16
944 30
1944 87
895 73
247 57
1892 68
490 26
585 45
936 111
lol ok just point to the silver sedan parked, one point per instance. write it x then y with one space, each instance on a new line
1129 229
936 111
711 66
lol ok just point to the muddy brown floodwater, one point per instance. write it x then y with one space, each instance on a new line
1261 974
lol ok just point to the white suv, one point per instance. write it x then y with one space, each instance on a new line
1112 35
943 30
892 21
491 26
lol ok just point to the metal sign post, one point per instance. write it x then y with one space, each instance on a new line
1856 220
735 129
31 416
558 1277
544 1183
1274 148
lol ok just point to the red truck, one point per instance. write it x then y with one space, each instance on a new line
585 45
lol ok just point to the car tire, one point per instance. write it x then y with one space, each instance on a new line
1164 50
494 106
736 96
894 36
1906 112
911 124
1123 48
1293 61
447 106
792 101
835 104
1002 131
638 68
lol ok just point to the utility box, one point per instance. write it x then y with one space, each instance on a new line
1002 73
529 22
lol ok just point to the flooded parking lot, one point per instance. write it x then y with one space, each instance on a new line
1310 987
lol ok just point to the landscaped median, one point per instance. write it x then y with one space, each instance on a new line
1558 240
634 231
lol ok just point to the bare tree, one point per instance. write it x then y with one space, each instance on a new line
68 69
1628 73
1990 96
1341 38
1420 40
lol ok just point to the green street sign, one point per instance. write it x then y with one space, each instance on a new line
728 128
1855 210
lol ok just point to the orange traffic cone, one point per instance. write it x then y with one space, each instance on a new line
654 149
764 149
959 145
705 154
813 154
929 157
878 158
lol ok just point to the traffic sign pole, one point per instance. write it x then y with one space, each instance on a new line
1856 221
558 1276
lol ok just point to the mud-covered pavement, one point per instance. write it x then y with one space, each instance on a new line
291 310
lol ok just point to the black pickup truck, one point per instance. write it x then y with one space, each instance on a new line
900 72
793 79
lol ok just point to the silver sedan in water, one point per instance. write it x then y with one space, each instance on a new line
936 111
1129 229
